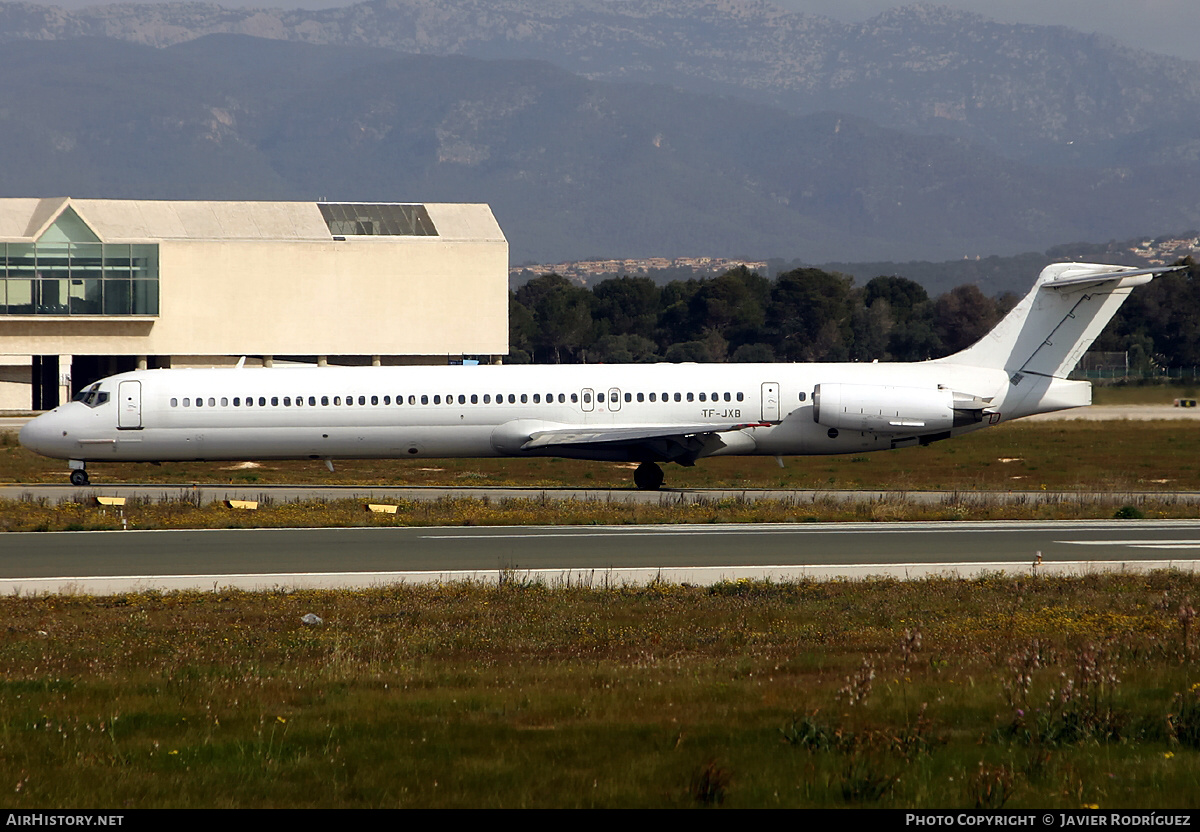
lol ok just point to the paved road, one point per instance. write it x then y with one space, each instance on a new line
119 561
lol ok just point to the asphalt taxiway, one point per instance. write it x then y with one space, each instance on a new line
117 561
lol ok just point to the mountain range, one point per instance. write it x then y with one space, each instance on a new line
600 128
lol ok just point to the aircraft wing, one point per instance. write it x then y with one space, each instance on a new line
592 435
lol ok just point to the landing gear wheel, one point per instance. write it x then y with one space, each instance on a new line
79 477
648 477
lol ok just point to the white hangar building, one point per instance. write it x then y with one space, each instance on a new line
91 287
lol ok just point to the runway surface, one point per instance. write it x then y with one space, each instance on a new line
106 562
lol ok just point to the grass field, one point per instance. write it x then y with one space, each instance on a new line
991 693
1113 456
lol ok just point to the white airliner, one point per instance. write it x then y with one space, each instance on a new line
645 413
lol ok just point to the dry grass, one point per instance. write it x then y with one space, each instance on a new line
1050 694
43 514
1112 456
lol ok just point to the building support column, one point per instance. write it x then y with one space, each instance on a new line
322 360
142 362
375 361
65 393
268 360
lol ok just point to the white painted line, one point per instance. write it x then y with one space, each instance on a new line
697 575
1191 543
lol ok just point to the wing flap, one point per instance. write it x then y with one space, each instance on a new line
594 435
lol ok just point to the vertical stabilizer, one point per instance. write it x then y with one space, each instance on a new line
1050 329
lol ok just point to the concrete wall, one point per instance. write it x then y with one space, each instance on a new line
361 296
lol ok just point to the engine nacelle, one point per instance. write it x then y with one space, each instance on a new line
883 409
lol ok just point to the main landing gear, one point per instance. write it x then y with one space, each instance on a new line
78 473
648 477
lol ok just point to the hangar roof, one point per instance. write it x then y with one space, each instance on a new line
141 220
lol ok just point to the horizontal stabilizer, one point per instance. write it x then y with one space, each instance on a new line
1085 280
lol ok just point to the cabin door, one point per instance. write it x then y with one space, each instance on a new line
129 405
614 398
588 404
770 401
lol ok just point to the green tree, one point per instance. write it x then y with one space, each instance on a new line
627 306
809 315
962 316
562 318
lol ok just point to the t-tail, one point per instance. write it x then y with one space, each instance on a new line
1043 338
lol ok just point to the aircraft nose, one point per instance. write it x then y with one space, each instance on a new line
39 434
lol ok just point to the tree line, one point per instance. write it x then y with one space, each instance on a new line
808 314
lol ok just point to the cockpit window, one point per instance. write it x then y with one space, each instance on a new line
92 396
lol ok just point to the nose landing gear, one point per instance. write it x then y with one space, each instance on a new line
648 477
78 473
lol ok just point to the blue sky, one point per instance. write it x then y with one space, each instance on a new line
1166 26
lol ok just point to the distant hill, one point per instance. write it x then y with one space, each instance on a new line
1036 92
573 168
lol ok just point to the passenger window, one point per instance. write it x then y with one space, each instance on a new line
628 397
187 402
274 401
474 399
512 399
653 397
487 398
212 401
587 398
199 401
413 400
703 397
537 398
462 399
641 397
425 400
562 399
262 401
678 397
574 398
362 399
437 399
287 401
237 401
388 400
741 397
690 396
524 398
374 400
803 396
726 397
174 402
